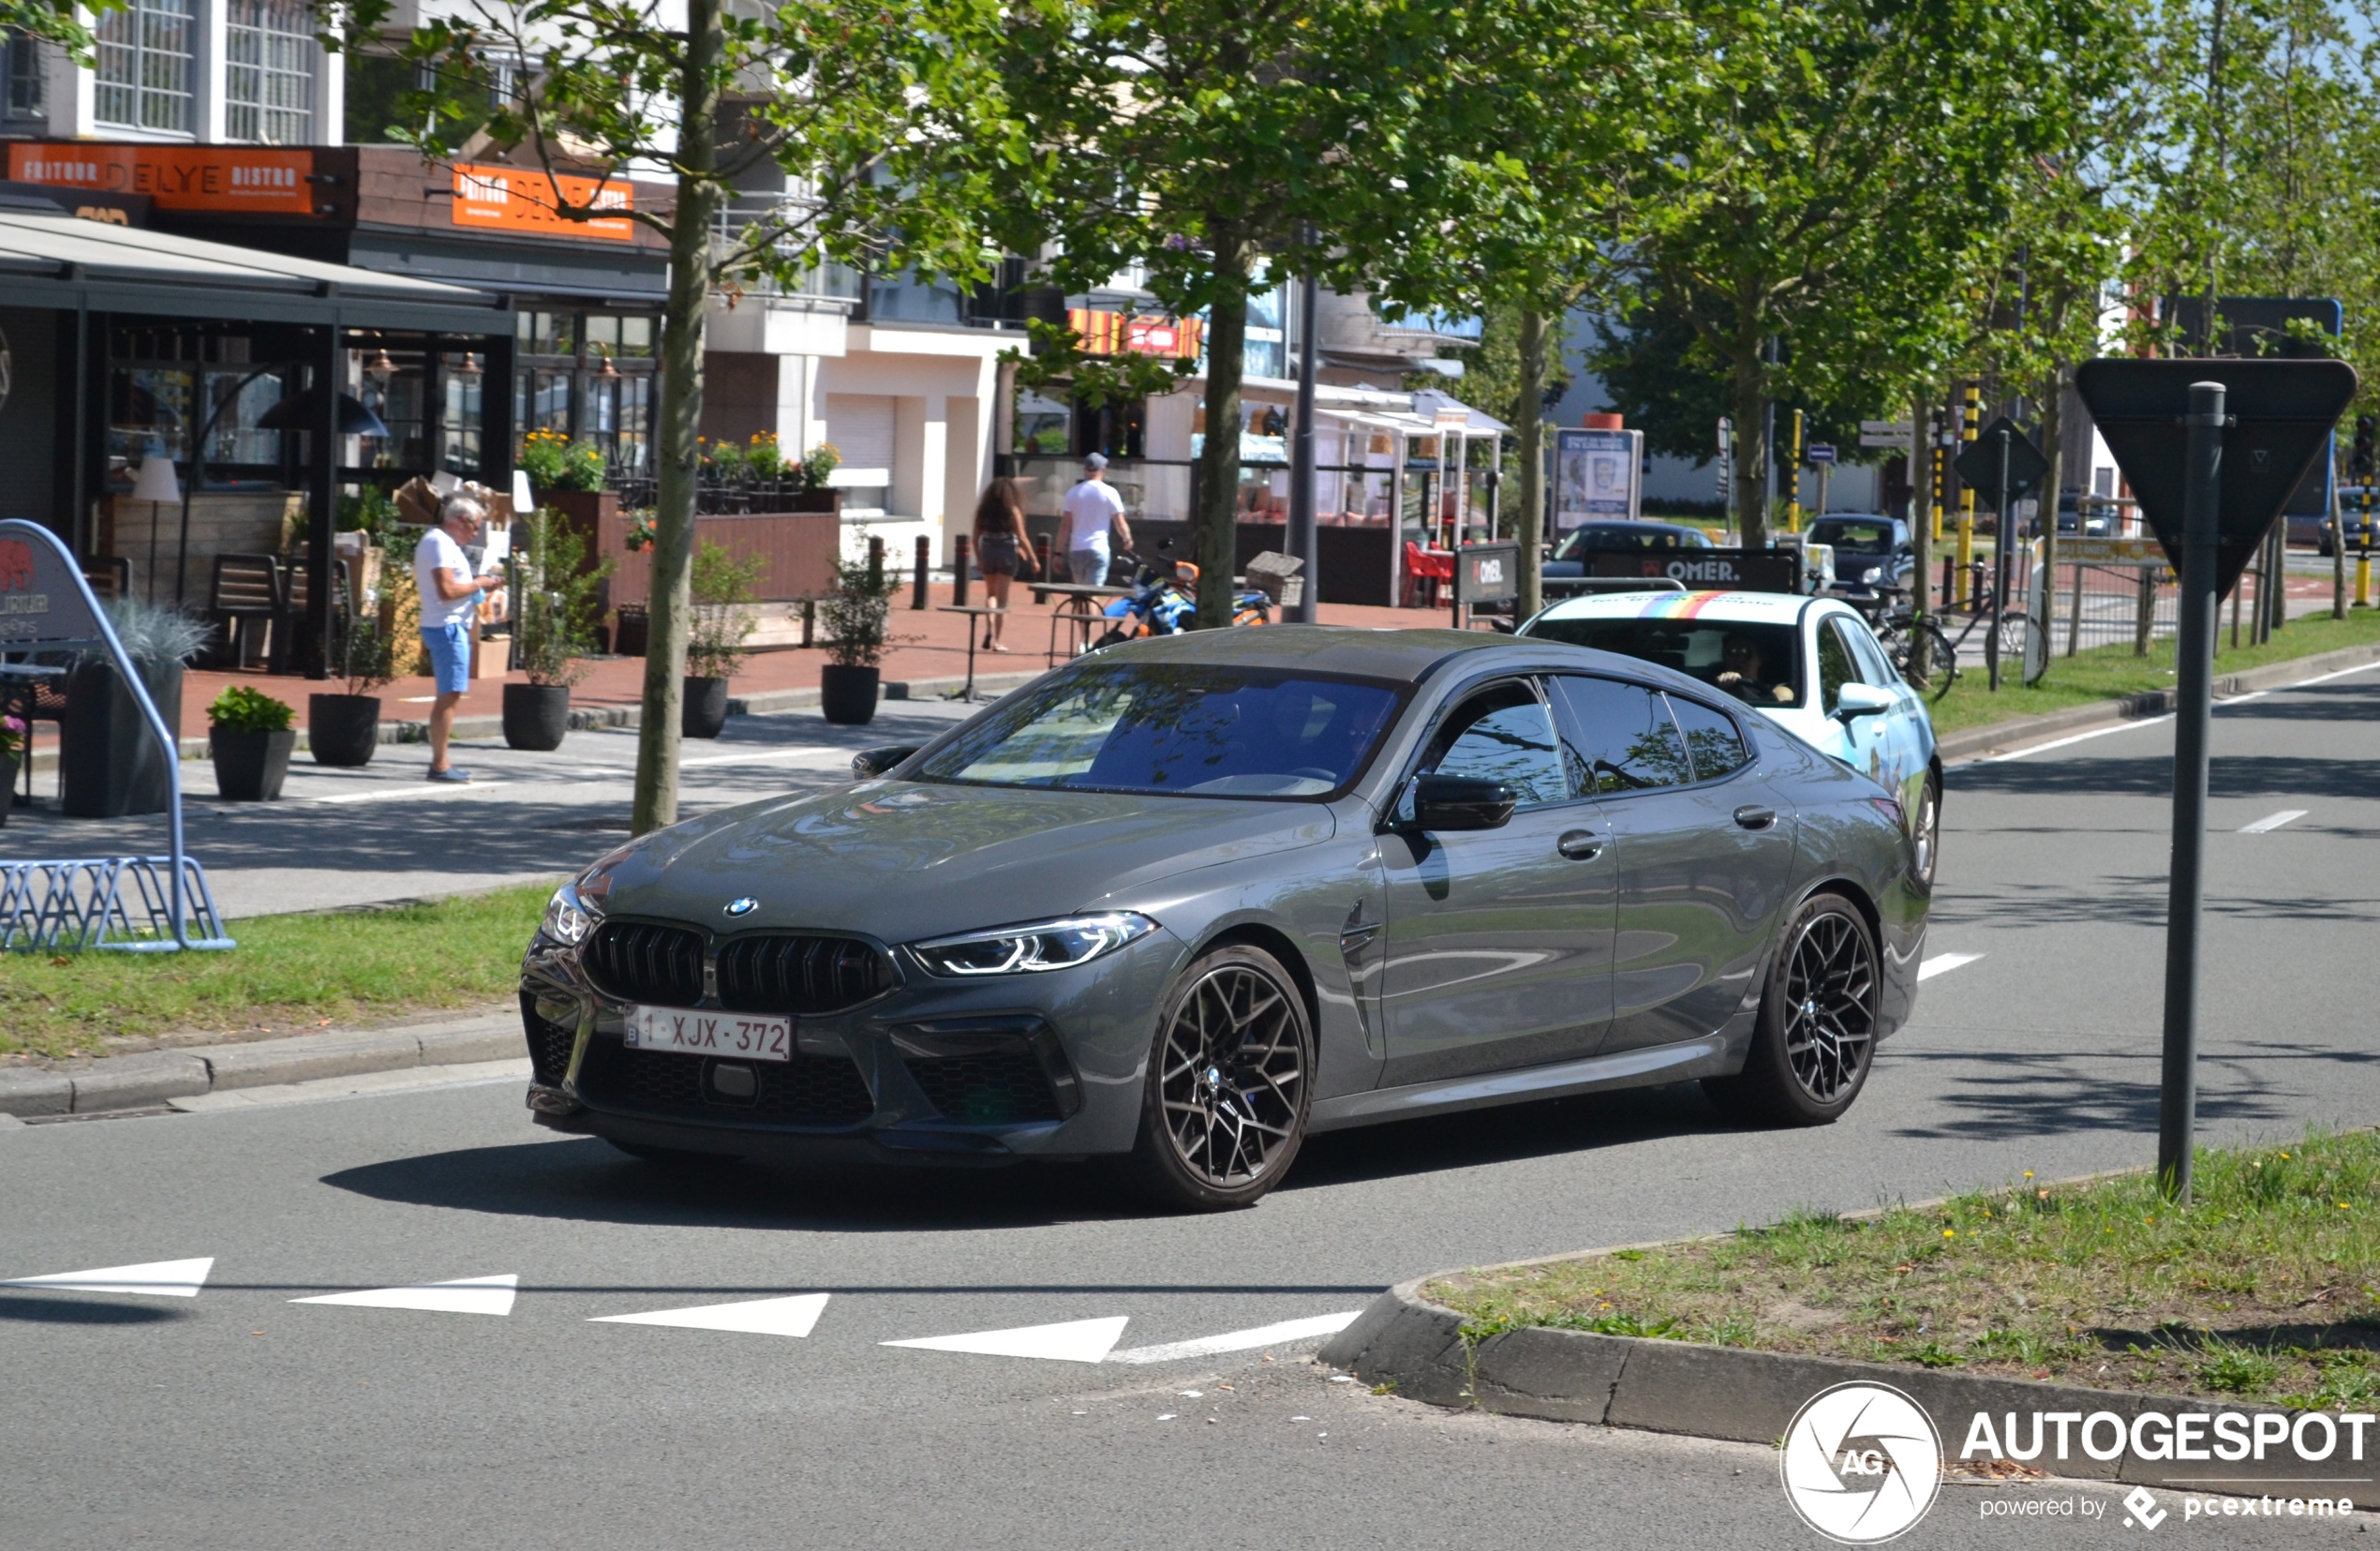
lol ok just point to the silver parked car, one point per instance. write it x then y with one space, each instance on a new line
1190 899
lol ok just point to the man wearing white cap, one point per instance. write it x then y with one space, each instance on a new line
1093 509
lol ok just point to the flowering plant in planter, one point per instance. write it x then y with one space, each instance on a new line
763 456
12 734
555 462
819 462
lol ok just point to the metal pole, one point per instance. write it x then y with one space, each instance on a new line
1303 539
2000 540
2178 1101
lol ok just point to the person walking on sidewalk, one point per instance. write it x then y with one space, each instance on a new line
1092 511
1001 549
450 598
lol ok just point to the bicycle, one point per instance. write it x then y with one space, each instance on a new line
1898 630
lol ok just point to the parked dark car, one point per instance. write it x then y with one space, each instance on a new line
2097 515
1870 552
1188 900
1617 536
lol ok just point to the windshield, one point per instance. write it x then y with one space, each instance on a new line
1595 540
1192 730
1866 538
1755 663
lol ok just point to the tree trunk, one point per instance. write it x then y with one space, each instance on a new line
1215 527
1751 442
681 415
1921 526
1528 524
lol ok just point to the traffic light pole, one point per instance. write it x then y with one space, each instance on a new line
2178 1100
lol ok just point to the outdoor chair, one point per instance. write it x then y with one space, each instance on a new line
1421 566
296 595
110 577
247 593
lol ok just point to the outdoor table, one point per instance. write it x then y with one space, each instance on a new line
973 611
1078 612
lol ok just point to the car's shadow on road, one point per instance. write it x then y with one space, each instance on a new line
584 1179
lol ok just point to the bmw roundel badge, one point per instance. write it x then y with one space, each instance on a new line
743 906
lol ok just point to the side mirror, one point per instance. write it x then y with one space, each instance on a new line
1857 700
1449 803
868 763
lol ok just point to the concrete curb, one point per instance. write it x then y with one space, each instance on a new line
1750 1397
155 1076
1972 743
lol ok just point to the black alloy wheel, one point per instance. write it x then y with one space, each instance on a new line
1816 1035
1225 1104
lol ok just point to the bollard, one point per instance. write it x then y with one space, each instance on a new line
1966 543
961 555
808 621
875 565
1041 558
925 562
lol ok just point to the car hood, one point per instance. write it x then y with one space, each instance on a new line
901 861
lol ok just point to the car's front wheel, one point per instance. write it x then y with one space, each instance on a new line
1816 1033
1926 835
1225 1106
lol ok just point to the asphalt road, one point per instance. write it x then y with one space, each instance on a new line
238 1419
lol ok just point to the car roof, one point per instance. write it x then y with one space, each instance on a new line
1407 655
1728 608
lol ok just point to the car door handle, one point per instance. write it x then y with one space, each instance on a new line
1755 819
1580 845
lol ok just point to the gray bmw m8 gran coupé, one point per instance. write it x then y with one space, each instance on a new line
1187 900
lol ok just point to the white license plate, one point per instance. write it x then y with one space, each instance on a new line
711 1034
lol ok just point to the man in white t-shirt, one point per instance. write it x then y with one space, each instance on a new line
449 599
1093 509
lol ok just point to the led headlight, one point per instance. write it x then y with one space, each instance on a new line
1028 949
568 917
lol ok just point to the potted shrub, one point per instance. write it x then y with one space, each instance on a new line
345 729
568 476
809 475
722 595
109 764
251 736
854 615
554 632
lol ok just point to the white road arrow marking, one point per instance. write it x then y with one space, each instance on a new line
1943 963
1241 1340
156 1279
2270 822
471 1295
793 1316
1076 1341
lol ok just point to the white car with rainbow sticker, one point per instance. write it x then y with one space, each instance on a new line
1811 664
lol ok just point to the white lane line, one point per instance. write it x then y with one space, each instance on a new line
156 1279
1076 1341
469 1295
1241 1340
2270 822
1943 963
2079 737
793 1316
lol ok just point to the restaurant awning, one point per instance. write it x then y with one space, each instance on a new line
66 262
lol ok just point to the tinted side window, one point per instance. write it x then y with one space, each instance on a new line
1507 734
1836 666
1716 742
1627 741
1874 666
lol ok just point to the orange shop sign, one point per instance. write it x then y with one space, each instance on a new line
522 198
1130 334
177 178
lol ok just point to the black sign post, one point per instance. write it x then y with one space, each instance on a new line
2003 466
2250 430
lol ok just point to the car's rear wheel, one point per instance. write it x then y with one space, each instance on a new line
1224 1106
1816 1033
1926 833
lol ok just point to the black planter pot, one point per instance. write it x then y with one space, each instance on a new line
536 716
704 709
250 767
109 764
7 786
847 695
343 730
632 631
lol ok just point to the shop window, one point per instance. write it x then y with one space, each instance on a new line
459 417
546 333
146 66
549 405
236 438
602 334
268 73
148 414
636 337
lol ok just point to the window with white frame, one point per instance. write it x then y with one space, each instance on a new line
268 73
146 66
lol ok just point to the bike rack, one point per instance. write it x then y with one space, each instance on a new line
66 906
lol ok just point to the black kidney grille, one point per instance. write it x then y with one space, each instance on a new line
549 1044
638 962
798 973
993 1088
808 1090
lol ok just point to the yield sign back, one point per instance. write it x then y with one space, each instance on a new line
2281 412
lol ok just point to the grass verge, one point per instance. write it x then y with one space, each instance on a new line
2264 1289
2112 672
290 974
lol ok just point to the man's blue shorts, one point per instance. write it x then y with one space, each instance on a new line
450 649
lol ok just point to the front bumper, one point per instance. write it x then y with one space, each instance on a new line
931 1071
